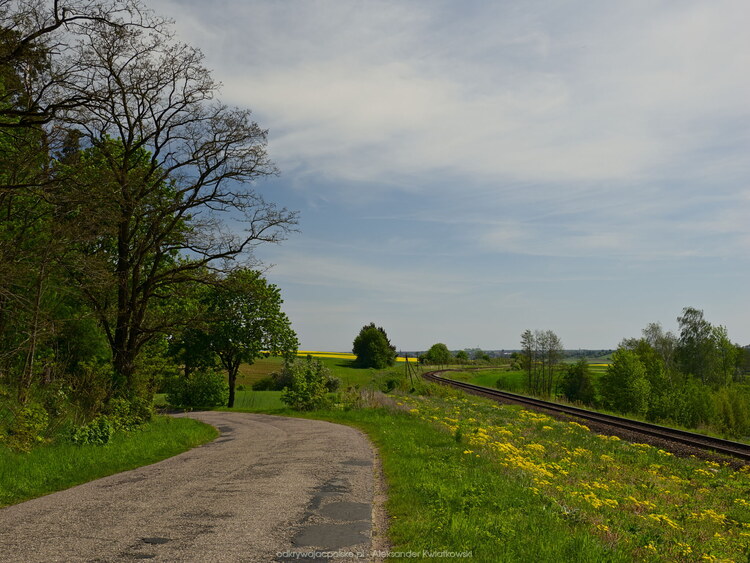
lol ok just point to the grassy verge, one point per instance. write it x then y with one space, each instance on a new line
624 498
514 382
441 499
62 465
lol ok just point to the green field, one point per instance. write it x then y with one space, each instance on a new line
497 378
343 368
250 373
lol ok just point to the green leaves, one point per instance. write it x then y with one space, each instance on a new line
309 383
373 349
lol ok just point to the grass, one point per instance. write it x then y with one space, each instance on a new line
262 367
257 401
442 497
341 367
58 466
513 381
633 499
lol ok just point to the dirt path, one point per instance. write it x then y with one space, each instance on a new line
267 488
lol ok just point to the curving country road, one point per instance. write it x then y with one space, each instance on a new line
268 488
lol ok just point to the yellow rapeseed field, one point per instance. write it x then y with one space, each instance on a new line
341 355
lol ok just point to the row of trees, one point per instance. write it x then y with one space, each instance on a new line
373 349
692 378
439 354
118 171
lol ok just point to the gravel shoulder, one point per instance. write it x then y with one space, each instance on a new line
268 489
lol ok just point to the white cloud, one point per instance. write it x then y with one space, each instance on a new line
592 130
390 283
395 92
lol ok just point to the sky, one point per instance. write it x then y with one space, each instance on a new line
465 171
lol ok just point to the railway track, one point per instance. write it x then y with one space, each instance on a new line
718 445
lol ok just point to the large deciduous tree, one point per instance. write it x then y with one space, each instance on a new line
40 55
244 320
704 350
439 354
162 163
373 349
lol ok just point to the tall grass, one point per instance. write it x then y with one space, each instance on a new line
57 466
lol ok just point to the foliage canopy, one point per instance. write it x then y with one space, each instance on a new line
373 349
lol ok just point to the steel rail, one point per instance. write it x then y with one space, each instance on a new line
701 441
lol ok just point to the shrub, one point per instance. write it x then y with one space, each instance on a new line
203 389
129 414
387 382
731 412
691 404
624 387
26 428
97 432
310 382
264 384
273 382
90 385
576 383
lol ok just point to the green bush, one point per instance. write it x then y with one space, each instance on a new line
278 381
203 389
97 432
130 414
693 405
26 428
624 387
731 412
264 384
90 385
310 382
388 381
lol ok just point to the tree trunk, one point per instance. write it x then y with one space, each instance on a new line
28 370
232 380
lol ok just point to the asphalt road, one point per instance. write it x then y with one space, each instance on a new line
268 489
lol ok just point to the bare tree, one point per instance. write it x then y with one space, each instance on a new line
38 48
161 164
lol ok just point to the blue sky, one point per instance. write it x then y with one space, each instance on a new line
467 170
